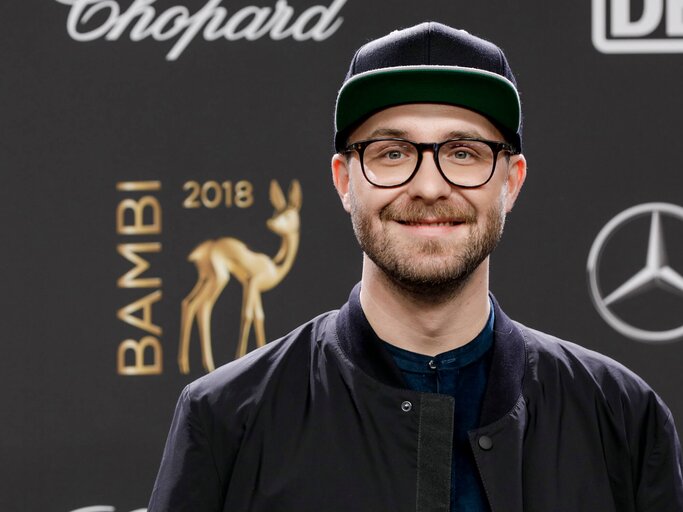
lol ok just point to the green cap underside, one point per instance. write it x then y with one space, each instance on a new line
485 93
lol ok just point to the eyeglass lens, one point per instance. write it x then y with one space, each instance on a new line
392 162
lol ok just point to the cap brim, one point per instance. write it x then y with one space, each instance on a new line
489 94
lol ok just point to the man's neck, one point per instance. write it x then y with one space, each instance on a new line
421 325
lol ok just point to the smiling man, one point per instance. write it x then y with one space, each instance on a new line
420 394
426 236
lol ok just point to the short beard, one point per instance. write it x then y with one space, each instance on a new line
437 280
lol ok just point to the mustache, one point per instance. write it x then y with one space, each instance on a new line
417 211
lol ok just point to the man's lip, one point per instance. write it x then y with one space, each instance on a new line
430 222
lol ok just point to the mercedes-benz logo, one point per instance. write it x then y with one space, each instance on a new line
655 273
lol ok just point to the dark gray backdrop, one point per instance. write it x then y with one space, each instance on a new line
602 134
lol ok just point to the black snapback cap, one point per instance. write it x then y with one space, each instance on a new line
429 63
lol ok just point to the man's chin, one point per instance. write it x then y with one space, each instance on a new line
430 287
435 257
435 278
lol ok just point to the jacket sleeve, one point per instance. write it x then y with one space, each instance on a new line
188 480
660 487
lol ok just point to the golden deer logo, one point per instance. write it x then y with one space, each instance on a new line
217 260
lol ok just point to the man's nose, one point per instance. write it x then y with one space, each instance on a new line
428 184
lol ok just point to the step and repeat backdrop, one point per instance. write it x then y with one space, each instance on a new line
137 133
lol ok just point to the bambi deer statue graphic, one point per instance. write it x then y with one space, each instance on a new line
217 260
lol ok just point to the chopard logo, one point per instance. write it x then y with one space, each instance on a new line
89 20
647 26
656 272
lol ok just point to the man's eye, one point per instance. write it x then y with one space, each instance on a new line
463 154
393 154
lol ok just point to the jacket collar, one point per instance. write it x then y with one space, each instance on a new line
366 350
362 346
507 368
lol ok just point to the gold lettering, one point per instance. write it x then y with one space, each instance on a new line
145 305
244 194
138 350
137 207
211 194
136 186
130 279
139 216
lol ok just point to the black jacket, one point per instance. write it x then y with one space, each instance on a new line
320 421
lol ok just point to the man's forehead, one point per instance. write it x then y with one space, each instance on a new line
435 119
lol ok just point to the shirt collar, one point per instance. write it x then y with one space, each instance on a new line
450 360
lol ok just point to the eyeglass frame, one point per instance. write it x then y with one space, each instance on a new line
421 147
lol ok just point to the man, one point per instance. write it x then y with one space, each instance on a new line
420 394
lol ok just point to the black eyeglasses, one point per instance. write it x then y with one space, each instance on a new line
467 163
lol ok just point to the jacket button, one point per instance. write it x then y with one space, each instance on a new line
406 406
485 443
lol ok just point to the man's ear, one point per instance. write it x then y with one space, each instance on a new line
340 177
515 179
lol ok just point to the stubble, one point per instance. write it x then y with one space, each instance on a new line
429 269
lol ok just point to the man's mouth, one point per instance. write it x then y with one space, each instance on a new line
430 223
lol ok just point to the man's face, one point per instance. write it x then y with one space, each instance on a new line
428 236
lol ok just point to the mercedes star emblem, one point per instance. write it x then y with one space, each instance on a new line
656 271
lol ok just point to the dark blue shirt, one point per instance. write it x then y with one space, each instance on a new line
461 373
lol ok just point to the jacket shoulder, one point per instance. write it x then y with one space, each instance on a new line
246 379
588 377
593 396
214 412
549 354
